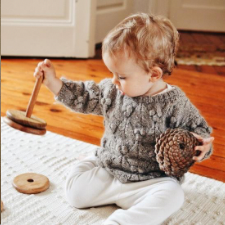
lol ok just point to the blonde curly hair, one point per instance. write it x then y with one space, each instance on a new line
152 40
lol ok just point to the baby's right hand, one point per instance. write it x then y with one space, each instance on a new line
50 80
46 69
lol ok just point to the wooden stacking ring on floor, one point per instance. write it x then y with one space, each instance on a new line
2 206
31 183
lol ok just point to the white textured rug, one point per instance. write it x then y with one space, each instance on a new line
51 155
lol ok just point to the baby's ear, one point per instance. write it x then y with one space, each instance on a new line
156 73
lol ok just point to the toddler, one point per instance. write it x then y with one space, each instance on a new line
137 106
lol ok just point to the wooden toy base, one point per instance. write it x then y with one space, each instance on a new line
24 128
20 117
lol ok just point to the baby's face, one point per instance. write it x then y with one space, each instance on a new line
128 76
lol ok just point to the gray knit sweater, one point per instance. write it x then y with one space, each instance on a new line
132 124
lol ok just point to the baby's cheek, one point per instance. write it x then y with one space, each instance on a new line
127 89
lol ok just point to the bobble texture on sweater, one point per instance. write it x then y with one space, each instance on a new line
132 124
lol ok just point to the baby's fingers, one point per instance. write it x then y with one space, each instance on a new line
199 149
44 65
39 69
37 75
200 157
38 72
206 141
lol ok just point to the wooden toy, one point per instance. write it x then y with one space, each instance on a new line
175 150
25 121
2 206
31 183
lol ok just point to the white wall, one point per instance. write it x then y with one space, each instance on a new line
157 7
141 6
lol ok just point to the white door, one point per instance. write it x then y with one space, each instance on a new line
53 28
201 15
109 13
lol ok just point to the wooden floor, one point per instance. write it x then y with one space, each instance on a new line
204 85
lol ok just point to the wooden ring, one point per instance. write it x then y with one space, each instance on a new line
2 206
20 117
24 128
31 183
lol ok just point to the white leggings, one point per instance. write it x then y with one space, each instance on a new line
142 203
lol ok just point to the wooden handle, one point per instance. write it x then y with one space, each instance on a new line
34 97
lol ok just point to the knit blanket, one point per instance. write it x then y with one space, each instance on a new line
52 155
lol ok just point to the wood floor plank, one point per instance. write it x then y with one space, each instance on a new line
187 67
186 37
201 38
208 172
214 39
220 70
208 69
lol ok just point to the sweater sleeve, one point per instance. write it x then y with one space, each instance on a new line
187 116
83 97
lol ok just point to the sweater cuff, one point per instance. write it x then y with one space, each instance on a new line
64 94
61 93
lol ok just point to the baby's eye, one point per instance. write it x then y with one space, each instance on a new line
122 78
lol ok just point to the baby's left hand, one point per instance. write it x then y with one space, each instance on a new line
204 148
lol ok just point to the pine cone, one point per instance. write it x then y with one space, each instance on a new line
174 151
